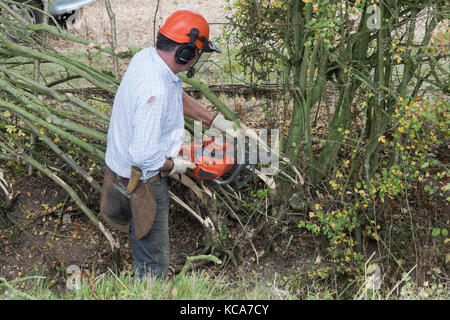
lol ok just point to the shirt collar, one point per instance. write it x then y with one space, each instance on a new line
164 67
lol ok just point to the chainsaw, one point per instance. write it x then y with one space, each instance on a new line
220 161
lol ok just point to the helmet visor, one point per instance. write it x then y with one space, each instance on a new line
209 46
204 57
212 47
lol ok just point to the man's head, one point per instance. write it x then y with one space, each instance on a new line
186 33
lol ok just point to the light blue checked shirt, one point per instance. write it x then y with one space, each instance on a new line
147 121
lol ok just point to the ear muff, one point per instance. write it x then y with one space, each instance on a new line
186 52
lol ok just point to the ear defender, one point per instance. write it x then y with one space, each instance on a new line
186 52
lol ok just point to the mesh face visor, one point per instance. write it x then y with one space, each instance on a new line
208 48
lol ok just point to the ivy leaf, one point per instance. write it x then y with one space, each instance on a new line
436 232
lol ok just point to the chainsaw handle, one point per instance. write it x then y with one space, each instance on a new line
233 175
240 164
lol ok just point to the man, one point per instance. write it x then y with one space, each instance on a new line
145 135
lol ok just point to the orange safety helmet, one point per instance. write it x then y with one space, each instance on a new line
178 27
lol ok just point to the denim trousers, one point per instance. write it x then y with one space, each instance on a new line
151 253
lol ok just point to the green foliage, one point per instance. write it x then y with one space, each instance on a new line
375 153
421 132
411 163
307 44
108 286
426 291
255 56
338 226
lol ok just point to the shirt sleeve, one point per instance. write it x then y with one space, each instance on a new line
146 148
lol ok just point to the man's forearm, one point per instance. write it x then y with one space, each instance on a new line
195 111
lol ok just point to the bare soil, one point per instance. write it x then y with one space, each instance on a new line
49 233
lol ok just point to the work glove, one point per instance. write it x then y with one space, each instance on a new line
229 127
180 165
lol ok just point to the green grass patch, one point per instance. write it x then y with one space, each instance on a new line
109 286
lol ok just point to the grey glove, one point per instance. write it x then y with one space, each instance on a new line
229 127
180 165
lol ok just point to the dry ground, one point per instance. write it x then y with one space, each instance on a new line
51 233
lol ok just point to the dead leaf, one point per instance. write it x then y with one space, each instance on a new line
318 259
437 270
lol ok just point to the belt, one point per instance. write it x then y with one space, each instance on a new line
121 184
150 180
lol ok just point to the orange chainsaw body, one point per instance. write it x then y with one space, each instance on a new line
213 157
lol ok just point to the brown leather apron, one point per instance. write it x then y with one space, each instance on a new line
118 207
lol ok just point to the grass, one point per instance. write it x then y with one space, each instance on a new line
201 285
109 286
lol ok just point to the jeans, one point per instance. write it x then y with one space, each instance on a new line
151 253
